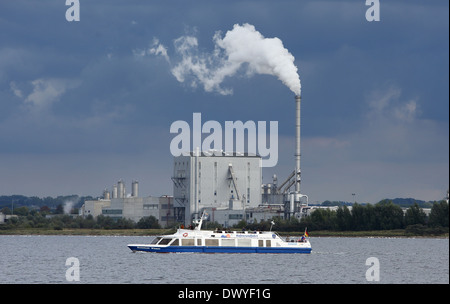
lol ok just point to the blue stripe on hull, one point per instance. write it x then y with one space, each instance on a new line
217 249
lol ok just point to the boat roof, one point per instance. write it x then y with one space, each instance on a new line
235 233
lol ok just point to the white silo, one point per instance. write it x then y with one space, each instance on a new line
114 191
121 189
135 188
106 194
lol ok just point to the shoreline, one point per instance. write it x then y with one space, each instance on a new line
151 232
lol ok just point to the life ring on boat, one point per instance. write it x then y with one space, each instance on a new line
228 235
185 234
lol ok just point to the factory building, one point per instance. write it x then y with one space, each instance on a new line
229 186
215 180
118 204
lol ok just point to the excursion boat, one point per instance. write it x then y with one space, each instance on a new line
208 241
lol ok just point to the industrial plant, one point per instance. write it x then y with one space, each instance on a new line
227 185
117 204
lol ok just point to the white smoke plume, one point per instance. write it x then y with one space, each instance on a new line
68 205
242 47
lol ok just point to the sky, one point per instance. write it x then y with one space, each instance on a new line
86 103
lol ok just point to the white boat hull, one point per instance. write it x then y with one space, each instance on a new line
217 249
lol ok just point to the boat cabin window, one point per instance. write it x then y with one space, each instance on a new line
244 242
165 241
175 242
156 240
228 242
187 242
211 242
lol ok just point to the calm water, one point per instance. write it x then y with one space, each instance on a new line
107 259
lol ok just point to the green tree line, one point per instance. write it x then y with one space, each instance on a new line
35 219
384 215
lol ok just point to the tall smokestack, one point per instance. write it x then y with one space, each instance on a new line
297 149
